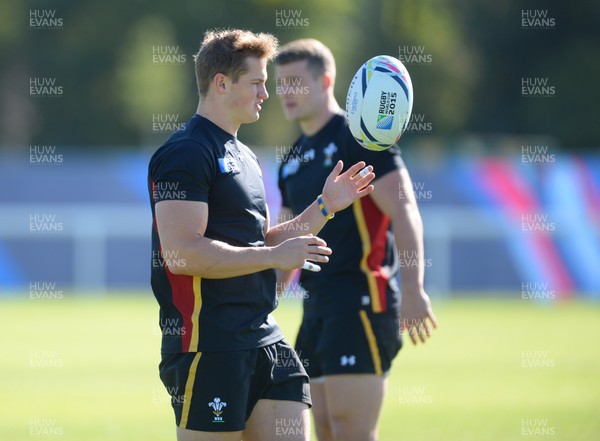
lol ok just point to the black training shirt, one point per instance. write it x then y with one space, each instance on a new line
361 272
201 162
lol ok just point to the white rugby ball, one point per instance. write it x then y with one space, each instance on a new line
379 102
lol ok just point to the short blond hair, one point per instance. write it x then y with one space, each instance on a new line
226 51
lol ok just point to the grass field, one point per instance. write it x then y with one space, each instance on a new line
86 370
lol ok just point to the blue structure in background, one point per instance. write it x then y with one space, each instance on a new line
492 224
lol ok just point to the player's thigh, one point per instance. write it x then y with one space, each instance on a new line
354 402
320 410
274 420
195 435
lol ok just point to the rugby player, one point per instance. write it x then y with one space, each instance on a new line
214 257
352 317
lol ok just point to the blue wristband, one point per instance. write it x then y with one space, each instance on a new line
322 208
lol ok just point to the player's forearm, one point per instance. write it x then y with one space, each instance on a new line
213 259
310 221
408 233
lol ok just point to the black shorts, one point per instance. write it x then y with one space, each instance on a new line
355 343
216 391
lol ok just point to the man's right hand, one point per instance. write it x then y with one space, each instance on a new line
292 253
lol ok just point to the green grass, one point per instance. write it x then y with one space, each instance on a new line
86 369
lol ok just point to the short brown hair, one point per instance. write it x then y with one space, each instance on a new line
225 51
319 57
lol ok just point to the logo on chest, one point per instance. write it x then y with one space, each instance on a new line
228 164
329 152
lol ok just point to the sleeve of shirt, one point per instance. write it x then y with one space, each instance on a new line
383 162
183 172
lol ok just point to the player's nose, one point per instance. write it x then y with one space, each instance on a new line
262 92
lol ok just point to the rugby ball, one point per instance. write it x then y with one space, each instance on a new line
379 102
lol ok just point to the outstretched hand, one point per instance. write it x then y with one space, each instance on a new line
341 190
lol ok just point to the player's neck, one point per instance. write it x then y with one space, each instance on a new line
212 112
311 125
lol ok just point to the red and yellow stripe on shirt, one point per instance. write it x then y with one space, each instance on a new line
372 227
186 294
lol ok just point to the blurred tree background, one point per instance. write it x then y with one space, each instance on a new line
102 55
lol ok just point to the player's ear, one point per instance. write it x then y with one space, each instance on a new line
220 83
327 80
